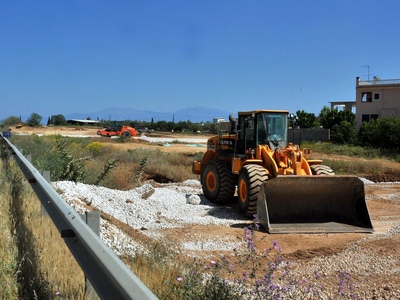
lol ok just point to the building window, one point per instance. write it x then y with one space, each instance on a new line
376 97
366 97
368 118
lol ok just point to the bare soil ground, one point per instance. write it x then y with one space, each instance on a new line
383 201
135 142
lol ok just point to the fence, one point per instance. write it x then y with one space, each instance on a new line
109 276
296 136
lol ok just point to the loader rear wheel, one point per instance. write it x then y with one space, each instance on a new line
218 181
321 170
126 134
250 179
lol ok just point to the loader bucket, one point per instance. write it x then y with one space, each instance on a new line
313 204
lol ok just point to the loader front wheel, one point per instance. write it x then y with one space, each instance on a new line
321 170
218 181
250 179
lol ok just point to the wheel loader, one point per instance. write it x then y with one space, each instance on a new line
253 162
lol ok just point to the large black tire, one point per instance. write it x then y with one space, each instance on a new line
126 134
250 179
321 170
218 181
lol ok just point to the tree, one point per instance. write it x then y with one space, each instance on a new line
34 120
381 133
10 121
343 133
341 123
58 120
330 117
327 117
306 120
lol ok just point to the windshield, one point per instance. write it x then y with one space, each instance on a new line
272 129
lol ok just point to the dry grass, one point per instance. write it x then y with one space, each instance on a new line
158 269
133 165
46 268
374 170
8 251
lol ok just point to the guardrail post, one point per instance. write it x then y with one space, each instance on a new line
92 219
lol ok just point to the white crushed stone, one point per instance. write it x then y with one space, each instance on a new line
149 209
170 206
120 242
366 181
208 246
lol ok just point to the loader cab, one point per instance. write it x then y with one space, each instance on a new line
262 128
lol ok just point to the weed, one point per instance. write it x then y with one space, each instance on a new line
71 168
111 164
265 276
139 171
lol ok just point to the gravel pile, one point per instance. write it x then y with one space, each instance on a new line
167 206
150 208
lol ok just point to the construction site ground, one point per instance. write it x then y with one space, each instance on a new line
383 201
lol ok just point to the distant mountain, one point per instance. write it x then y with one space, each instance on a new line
193 114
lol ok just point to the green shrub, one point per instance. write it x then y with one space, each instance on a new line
381 133
344 133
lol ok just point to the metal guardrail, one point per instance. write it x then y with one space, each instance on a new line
109 276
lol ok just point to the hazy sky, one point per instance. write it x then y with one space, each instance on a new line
62 57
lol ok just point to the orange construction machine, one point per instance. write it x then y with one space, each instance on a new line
118 129
253 162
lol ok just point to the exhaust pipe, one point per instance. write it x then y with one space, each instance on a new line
233 121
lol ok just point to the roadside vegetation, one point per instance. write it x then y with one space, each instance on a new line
35 264
93 162
9 266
